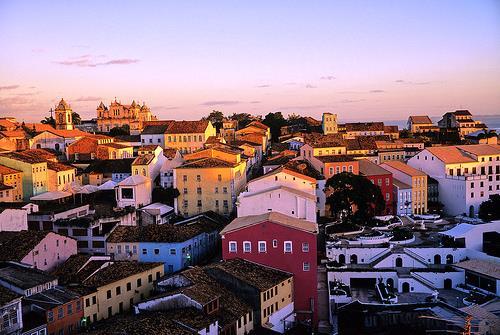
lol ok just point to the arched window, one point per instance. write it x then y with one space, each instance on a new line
449 259
437 259
354 259
448 284
342 259
399 262
406 287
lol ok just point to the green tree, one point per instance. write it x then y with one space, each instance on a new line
216 118
243 119
274 121
76 118
354 197
117 131
49 120
490 209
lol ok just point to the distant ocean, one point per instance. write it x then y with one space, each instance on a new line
492 121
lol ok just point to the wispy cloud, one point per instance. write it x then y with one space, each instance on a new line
401 81
304 107
255 102
350 101
291 83
310 86
327 78
8 87
220 103
263 86
377 91
91 61
87 98
17 100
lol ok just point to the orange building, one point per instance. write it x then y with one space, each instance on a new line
11 184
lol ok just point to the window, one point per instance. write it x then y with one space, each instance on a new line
198 203
287 247
108 294
216 190
305 247
139 282
70 309
127 193
306 266
224 190
219 177
185 190
198 190
233 246
247 246
50 316
173 251
118 290
87 302
60 313
275 243
157 251
129 286
150 278
198 177
262 246
144 251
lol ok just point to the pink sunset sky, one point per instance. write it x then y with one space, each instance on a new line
363 60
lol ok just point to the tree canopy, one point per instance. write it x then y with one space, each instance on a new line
117 131
215 117
275 121
490 209
354 197
49 120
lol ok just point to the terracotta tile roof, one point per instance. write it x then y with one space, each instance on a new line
169 152
303 167
166 233
23 157
7 124
391 129
15 245
14 133
420 119
258 124
282 219
40 153
369 168
365 126
143 159
39 127
362 143
187 127
450 155
281 158
403 167
481 149
259 276
462 112
5 187
206 163
317 140
117 271
148 147
23 277
6 296
156 128
59 166
69 133
115 145
7 170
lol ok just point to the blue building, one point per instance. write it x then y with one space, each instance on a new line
178 245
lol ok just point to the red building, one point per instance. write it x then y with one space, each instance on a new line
61 308
281 242
380 177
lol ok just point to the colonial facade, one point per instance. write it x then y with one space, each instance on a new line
119 115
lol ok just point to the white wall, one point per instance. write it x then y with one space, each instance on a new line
284 179
13 219
276 319
390 262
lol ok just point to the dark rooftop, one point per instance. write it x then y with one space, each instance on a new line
23 277
110 166
53 297
15 245
260 276
6 296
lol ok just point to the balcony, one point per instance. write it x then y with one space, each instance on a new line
467 177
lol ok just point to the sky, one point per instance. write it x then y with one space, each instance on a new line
364 60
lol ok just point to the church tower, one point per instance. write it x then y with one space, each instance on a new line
329 123
63 117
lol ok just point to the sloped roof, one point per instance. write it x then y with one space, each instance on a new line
110 166
403 167
282 219
481 149
369 168
133 180
420 119
450 155
7 170
15 245
485 267
187 127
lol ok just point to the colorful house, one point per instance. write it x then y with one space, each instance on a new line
281 242
380 177
11 184
176 245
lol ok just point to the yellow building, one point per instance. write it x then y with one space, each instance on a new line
12 181
329 123
188 136
411 176
59 176
108 287
118 115
210 179
323 145
34 170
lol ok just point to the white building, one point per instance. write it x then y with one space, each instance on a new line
134 191
282 190
467 174
172 161
402 197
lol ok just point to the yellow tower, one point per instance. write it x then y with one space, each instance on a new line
63 117
329 123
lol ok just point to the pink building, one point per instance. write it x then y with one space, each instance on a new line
44 250
282 242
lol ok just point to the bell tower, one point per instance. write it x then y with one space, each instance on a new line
63 117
